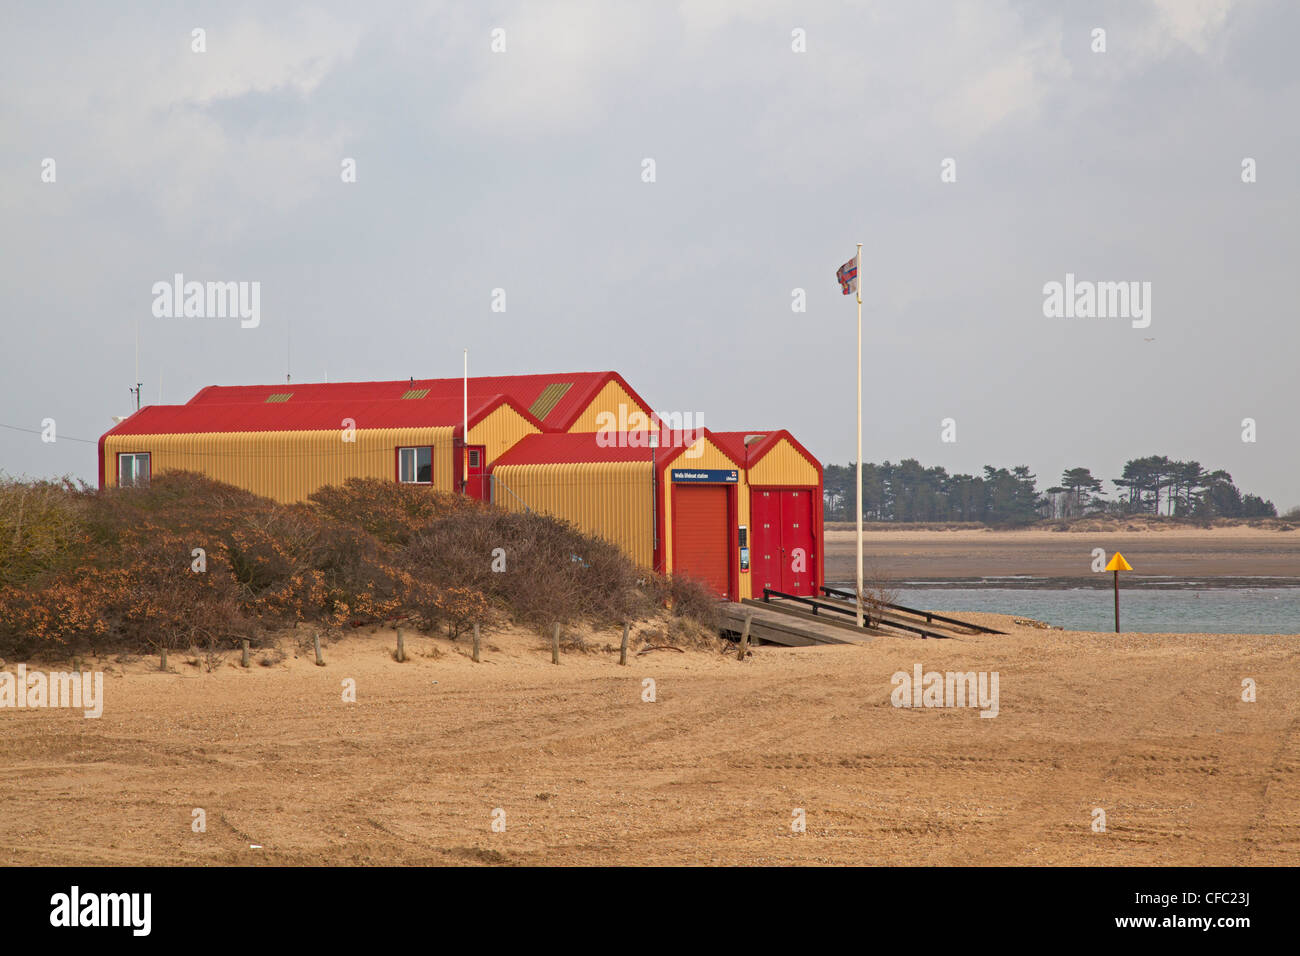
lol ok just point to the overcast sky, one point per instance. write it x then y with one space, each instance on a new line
524 170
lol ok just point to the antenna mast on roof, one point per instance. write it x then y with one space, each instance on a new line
136 390
288 351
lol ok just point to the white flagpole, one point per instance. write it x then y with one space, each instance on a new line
859 434
464 434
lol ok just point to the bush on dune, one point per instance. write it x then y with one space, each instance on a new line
551 571
114 568
390 512
42 523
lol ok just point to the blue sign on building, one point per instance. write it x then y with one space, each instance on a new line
719 475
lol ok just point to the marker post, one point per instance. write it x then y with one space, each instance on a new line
1118 564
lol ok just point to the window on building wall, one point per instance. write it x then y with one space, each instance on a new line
415 465
133 469
473 458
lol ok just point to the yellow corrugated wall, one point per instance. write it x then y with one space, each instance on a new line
286 466
607 499
711 456
783 465
499 431
608 399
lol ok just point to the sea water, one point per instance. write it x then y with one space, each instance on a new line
1147 609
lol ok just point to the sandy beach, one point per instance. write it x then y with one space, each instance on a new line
1192 552
1150 729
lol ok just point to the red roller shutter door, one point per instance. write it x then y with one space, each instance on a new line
700 535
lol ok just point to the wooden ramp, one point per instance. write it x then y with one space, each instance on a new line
848 598
788 627
838 612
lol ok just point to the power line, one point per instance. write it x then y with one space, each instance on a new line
33 431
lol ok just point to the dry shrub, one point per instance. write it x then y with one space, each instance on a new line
879 590
113 567
691 598
213 655
553 572
63 612
573 641
680 631
272 657
391 512
456 608
187 504
42 528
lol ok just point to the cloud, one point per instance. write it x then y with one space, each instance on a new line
994 67
252 57
1191 23
159 125
566 65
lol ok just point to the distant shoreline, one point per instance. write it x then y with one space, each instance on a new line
1213 557
1136 524
1102 582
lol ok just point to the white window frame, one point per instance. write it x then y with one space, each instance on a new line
135 457
414 459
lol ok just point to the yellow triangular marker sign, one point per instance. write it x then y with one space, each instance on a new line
1118 563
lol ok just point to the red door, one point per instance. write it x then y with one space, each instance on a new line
765 541
700 535
798 570
783 555
476 479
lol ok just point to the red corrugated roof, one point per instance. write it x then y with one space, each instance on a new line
303 416
524 389
733 443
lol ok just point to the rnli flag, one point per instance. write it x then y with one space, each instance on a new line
848 276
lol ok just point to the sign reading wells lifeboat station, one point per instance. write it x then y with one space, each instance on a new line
708 474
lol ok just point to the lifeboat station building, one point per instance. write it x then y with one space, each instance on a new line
740 510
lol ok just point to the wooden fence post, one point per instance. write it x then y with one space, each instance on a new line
401 648
744 638
163 664
555 645
622 654
476 643
243 659
320 661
